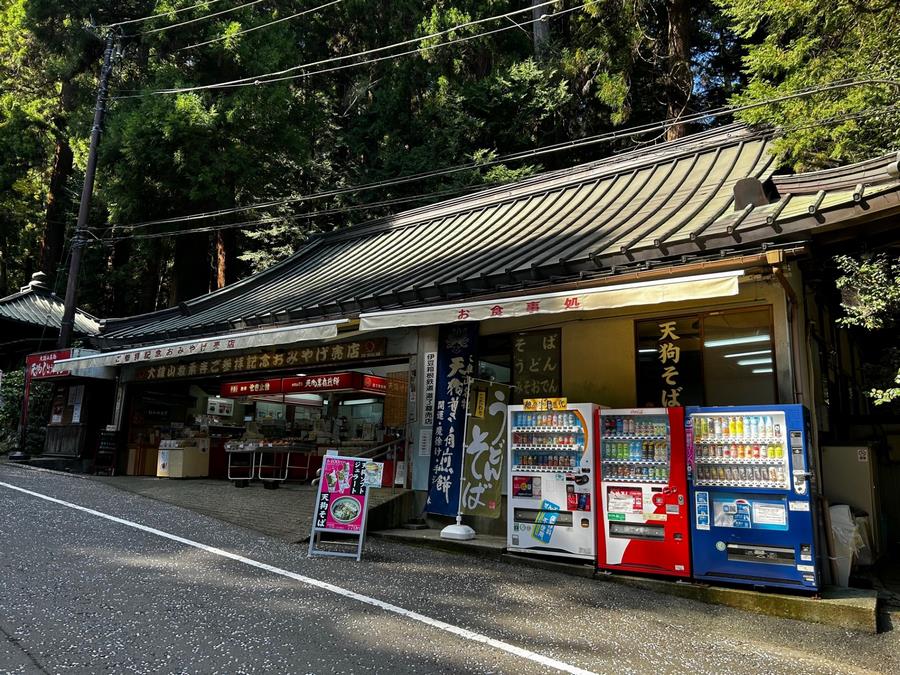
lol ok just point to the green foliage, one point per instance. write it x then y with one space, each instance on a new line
800 44
12 392
870 296
163 156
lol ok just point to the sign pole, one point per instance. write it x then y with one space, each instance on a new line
459 531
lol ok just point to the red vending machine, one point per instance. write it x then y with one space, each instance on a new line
642 488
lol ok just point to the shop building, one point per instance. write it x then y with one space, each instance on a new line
565 279
80 405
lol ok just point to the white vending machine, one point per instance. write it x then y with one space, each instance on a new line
551 481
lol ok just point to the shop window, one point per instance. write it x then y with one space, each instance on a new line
739 358
716 358
495 358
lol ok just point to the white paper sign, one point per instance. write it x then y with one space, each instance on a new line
769 514
425 442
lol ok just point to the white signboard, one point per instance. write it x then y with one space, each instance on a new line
428 396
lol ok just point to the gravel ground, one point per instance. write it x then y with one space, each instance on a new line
80 594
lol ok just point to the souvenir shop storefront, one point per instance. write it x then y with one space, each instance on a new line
305 398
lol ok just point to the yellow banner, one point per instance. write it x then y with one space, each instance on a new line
539 404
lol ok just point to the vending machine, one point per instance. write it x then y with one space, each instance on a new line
643 492
751 494
551 483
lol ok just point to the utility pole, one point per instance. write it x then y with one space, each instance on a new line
540 27
79 239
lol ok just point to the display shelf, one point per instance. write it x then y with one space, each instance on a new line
635 437
550 429
548 448
741 440
776 461
543 469
619 479
740 483
654 462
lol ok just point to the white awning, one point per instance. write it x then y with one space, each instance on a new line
696 287
213 345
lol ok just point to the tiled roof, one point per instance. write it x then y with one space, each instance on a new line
660 203
36 305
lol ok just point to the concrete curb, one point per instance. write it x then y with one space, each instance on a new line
846 608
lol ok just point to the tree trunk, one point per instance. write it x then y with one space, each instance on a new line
541 29
226 258
57 199
191 267
679 82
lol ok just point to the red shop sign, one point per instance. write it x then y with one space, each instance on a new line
317 383
250 388
41 365
374 384
333 382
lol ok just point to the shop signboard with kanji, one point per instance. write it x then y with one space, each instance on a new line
335 382
40 366
202 365
536 364
455 364
251 388
670 367
341 501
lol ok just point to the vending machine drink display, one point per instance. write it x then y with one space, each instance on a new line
643 492
551 484
753 515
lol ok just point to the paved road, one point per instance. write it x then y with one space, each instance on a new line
80 593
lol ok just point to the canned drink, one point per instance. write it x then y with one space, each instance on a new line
779 452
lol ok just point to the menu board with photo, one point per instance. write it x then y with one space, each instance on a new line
342 499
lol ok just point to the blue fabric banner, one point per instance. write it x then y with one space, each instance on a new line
455 364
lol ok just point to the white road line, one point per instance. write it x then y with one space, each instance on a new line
324 585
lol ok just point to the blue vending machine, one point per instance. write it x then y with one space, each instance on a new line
751 485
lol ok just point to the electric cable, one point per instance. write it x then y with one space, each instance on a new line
259 79
199 18
264 25
683 191
150 17
615 135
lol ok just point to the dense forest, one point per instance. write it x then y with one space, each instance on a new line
372 91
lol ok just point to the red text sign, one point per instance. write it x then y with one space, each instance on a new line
41 365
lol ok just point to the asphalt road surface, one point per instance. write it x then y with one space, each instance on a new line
125 584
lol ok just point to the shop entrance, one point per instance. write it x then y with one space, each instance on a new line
272 429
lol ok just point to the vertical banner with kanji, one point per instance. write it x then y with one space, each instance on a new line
485 448
536 364
455 364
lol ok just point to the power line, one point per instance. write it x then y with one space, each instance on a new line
150 17
306 216
283 219
259 79
199 18
265 25
629 132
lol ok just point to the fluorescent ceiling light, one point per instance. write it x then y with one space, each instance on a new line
739 355
646 351
754 362
762 370
728 342
360 401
